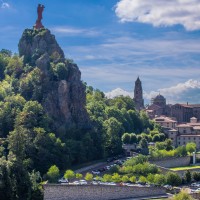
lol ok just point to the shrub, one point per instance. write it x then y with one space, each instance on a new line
69 174
173 179
132 179
53 174
88 177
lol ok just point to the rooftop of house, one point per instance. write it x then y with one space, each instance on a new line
188 105
188 135
184 126
165 119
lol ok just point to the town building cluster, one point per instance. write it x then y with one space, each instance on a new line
179 121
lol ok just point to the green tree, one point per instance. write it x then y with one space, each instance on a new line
32 116
53 174
132 179
156 138
14 67
150 178
133 138
18 140
107 178
126 138
116 178
143 143
159 179
60 71
88 177
30 86
142 179
183 195
188 176
79 176
69 174
125 179
114 131
196 176
191 147
173 179
181 151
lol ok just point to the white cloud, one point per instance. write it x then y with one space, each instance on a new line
181 87
71 31
137 51
4 5
161 12
118 92
182 92
188 91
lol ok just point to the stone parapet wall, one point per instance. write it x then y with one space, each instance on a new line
172 162
98 192
182 172
195 195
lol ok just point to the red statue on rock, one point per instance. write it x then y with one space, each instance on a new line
38 24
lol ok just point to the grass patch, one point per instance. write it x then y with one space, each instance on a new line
185 168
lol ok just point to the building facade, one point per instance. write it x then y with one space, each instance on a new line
181 112
183 133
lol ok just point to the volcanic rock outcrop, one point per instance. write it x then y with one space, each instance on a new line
63 93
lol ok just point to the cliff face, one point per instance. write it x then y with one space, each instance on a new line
63 95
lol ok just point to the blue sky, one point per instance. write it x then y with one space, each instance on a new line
114 41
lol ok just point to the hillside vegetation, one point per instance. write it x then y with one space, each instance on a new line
46 118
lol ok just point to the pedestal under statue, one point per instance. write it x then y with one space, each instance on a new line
38 24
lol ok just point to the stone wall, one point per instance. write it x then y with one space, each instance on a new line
172 162
98 192
195 195
182 172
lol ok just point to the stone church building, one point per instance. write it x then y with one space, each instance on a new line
138 95
158 107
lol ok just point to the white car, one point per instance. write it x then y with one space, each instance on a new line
95 183
107 167
63 180
96 172
83 182
76 183
197 190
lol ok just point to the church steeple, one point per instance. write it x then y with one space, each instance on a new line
138 95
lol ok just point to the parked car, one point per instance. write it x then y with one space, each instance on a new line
168 187
63 180
101 170
197 190
83 182
76 183
110 159
195 185
95 182
107 167
96 172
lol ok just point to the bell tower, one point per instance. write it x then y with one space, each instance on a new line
138 95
